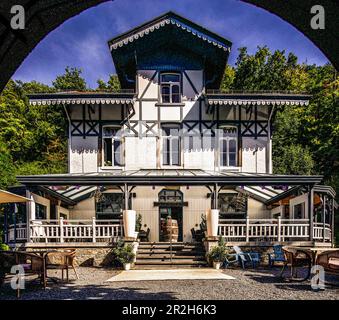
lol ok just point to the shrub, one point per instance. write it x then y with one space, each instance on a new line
4 247
124 253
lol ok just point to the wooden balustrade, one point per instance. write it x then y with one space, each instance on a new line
272 230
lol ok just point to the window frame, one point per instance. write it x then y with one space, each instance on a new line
171 138
235 138
171 85
113 139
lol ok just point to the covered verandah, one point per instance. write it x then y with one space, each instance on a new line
312 228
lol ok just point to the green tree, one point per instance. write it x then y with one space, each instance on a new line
113 84
70 80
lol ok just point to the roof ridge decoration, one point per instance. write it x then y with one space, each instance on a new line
118 42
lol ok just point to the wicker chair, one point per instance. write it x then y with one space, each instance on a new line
61 260
329 260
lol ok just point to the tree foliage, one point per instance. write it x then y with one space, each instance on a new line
112 84
70 80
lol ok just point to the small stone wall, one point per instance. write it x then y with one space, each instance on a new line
86 256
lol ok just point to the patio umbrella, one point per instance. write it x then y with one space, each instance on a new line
8 197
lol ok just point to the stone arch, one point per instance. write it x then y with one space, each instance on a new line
43 16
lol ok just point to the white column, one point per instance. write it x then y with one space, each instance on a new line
61 226
279 228
129 217
30 214
212 220
247 229
93 230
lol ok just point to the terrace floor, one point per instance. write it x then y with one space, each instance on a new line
261 283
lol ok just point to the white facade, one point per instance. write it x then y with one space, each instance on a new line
144 149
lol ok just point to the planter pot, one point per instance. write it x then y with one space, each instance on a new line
127 266
216 265
212 219
129 217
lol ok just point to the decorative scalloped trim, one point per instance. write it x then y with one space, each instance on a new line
161 24
81 101
259 102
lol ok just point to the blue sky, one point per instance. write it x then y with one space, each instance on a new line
82 40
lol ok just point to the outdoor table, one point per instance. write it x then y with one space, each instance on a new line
311 252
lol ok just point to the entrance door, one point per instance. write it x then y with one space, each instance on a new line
170 206
170 212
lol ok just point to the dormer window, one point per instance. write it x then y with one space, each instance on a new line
170 88
113 153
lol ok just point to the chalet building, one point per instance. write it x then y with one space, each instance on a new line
171 144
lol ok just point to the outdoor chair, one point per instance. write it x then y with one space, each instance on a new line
31 263
61 260
144 235
245 258
297 260
197 235
329 260
277 255
231 258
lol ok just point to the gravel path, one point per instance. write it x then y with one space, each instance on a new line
249 284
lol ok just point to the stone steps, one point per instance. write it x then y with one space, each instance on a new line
159 254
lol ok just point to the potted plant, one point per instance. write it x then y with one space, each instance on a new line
125 255
217 256
138 223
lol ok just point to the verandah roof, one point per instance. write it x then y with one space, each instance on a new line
169 177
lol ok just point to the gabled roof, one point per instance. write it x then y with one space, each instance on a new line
169 42
166 19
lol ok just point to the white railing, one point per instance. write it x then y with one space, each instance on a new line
322 231
265 230
75 230
17 233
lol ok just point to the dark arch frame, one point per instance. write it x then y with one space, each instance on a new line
43 16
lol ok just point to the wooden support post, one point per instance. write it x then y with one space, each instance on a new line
93 230
279 229
247 229
311 211
126 196
324 217
6 225
333 222
61 228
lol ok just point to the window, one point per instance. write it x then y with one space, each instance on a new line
170 88
232 205
109 206
228 140
171 150
112 147
40 211
299 211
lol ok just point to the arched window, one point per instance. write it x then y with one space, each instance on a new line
170 88
228 146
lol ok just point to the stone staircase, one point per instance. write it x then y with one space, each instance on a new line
158 254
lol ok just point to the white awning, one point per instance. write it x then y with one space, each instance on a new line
8 197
